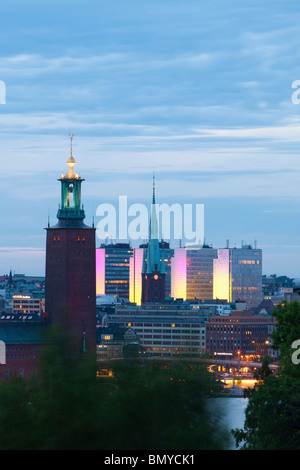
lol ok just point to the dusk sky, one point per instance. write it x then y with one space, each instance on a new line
199 91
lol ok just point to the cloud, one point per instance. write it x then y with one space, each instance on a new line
290 133
198 92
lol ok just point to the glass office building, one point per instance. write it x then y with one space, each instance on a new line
192 273
238 275
199 273
112 269
229 274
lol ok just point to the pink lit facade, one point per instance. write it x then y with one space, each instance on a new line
178 274
100 271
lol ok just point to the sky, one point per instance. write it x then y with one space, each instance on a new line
197 91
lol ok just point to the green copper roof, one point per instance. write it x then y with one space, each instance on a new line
24 333
70 207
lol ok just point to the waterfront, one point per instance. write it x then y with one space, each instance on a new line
231 411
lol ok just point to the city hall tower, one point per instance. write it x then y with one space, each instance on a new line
70 287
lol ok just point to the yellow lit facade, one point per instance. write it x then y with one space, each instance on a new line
135 276
238 275
221 277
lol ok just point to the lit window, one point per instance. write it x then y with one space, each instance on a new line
107 337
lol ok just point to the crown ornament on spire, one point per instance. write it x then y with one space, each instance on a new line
71 161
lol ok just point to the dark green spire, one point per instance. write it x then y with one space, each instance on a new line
152 256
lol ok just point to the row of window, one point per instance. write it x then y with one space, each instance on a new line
56 238
170 337
169 330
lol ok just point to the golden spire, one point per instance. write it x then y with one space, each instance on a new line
71 161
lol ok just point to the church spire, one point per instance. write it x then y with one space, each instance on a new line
152 252
153 269
153 196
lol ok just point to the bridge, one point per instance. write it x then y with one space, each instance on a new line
227 364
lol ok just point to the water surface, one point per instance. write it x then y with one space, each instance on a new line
231 411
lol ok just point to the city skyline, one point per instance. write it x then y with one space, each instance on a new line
200 94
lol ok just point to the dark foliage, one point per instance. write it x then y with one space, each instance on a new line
145 405
273 413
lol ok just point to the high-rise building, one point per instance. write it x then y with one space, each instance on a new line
178 274
238 275
70 287
192 273
135 278
112 261
199 272
153 269
227 273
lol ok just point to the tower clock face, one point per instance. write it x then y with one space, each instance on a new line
155 277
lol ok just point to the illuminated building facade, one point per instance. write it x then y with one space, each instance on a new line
100 271
238 275
229 274
165 330
27 305
135 277
70 287
222 276
112 269
178 274
241 334
192 273
199 272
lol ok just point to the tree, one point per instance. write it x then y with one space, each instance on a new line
272 420
155 406
145 405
